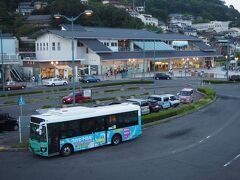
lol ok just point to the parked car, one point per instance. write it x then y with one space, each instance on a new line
153 106
174 101
78 98
162 76
234 78
186 95
162 100
8 123
55 82
144 105
89 79
13 85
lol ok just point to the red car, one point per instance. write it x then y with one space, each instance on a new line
78 98
12 85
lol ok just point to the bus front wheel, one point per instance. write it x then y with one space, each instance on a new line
116 139
66 150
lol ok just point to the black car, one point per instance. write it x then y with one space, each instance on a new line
8 123
162 76
234 78
153 105
89 79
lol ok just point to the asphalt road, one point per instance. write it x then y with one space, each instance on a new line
200 146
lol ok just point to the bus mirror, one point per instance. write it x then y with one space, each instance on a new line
39 130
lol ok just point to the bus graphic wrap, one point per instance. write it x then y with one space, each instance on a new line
68 130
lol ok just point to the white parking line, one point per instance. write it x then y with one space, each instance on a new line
230 162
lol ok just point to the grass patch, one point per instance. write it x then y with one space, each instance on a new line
25 93
3 95
21 145
10 102
111 90
210 94
51 106
123 83
220 81
133 88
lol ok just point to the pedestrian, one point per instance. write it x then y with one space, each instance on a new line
33 78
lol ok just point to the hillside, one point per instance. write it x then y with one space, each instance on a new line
112 17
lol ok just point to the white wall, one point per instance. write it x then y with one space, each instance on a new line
64 54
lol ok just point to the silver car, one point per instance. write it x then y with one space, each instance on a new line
144 105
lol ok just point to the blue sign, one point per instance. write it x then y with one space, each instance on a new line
21 101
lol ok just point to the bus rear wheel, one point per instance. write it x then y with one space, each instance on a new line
66 150
116 139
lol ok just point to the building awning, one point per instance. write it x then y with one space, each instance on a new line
95 45
151 46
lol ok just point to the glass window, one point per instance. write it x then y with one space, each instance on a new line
59 46
40 46
53 46
37 47
99 124
111 122
165 99
47 46
112 43
43 46
87 126
128 119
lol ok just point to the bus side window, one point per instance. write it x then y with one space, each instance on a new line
111 122
99 124
87 126
128 119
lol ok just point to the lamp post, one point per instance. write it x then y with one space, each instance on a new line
154 70
2 61
72 19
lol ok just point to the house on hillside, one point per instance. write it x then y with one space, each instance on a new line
39 20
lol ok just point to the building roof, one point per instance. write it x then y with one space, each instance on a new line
95 45
119 33
151 45
158 55
37 18
202 46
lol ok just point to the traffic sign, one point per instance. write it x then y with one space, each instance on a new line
21 101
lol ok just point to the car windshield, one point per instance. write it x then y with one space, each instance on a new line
34 133
172 98
185 93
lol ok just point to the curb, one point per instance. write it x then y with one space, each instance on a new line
4 148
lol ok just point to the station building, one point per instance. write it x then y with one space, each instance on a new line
100 50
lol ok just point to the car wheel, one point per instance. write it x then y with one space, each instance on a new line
9 89
64 83
116 139
98 80
87 81
66 150
23 87
53 84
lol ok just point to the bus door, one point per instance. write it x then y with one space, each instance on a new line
100 134
53 139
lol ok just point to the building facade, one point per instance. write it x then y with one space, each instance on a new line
102 50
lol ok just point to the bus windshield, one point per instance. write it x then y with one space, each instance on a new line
34 133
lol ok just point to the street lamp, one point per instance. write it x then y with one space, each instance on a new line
72 19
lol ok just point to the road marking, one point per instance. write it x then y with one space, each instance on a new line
230 162
208 137
201 141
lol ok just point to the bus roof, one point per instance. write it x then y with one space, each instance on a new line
80 112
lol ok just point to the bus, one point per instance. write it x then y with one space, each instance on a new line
67 130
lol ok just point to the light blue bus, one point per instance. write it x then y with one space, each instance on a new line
69 130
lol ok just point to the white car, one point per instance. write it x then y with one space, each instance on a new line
55 82
174 101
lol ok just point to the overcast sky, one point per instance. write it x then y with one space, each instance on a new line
235 3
